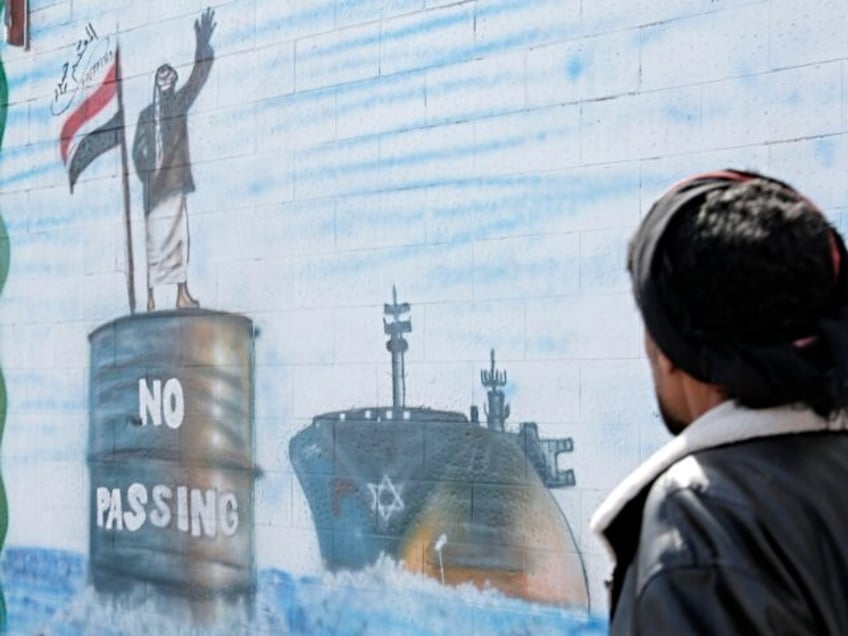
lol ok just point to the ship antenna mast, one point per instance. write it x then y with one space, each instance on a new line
397 345
498 410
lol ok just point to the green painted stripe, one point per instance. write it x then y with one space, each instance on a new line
4 271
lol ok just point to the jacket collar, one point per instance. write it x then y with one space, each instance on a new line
727 423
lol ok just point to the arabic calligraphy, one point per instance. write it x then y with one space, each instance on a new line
92 54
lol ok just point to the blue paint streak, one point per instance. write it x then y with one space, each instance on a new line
825 150
350 62
38 74
411 159
522 39
491 9
321 100
466 83
364 96
343 47
528 199
527 36
444 277
681 115
429 25
497 206
362 262
549 344
15 118
504 272
35 5
57 19
652 33
793 98
374 38
18 157
527 202
430 156
366 219
465 52
298 22
309 97
575 67
17 222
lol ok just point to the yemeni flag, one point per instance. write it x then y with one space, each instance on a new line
95 125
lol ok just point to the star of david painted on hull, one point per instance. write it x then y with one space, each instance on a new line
379 495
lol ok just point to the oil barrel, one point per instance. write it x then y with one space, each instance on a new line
171 453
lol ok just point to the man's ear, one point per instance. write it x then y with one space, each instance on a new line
666 366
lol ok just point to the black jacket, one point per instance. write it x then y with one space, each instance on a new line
740 528
174 174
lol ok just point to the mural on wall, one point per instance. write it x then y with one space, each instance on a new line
163 163
270 463
171 453
440 491
171 444
171 459
4 272
88 99
453 515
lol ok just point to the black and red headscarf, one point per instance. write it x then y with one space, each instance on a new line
756 374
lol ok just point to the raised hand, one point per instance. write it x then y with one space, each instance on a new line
204 27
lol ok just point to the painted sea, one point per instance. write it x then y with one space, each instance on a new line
47 594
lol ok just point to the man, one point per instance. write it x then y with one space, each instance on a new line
162 161
739 525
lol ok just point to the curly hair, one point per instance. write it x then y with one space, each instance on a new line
752 264
755 265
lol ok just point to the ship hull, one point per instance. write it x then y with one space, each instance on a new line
451 499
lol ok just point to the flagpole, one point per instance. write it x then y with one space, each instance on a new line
125 171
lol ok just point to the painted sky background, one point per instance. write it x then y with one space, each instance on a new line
488 157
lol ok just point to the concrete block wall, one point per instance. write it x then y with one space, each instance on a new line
489 158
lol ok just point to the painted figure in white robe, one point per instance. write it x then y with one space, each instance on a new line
162 161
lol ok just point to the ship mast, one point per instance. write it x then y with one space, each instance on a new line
497 410
397 345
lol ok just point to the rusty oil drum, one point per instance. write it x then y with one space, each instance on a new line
171 453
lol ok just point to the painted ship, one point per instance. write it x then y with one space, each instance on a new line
447 494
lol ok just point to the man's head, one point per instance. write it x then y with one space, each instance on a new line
741 283
166 78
